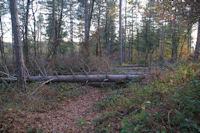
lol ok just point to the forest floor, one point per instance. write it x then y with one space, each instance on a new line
73 115
167 100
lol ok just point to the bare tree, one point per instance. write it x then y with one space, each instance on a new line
71 28
25 41
120 32
125 39
34 32
98 44
86 39
17 43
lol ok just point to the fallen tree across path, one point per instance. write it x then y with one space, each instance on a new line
133 68
78 78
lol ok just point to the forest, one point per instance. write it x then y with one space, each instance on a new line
100 66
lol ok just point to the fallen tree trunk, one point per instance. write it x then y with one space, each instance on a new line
78 78
134 73
133 68
133 65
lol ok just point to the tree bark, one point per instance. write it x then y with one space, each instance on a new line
79 78
2 45
60 22
25 41
120 32
162 50
53 32
71 29
18 44
189 40
86 38
107 28
98 44
196 52
138 41
132 38
34 31
174 44
125 39
90 17
133 68
146 37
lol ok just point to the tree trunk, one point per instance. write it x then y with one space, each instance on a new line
71 30
86 42
79 78
133 68
129 50
98 45
18 44
125 39
138 41
146 42
90 17
34 31
2 45
120 32
25 41
107 31
174 44
196 52
131 44
162 51
189 40
59 34
53 37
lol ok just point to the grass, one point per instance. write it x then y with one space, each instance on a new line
166 104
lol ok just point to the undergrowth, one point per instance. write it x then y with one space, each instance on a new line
14 103
168 103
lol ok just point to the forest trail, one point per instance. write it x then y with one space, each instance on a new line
72 115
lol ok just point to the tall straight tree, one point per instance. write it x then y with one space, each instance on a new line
86 39
197 48
17 44
88 19
120 32
25 41
2 43
34 32
71 27
125 40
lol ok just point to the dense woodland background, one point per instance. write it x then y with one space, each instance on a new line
55 31
83 37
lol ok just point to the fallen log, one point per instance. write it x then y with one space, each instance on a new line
134 73
134 65
78 78
133 68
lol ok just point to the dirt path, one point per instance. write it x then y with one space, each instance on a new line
71 115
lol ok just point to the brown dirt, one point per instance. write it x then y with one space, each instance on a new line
70 114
